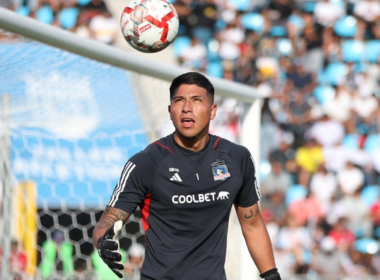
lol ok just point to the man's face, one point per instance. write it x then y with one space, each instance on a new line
191 110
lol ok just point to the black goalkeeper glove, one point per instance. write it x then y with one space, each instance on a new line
271 274
108 248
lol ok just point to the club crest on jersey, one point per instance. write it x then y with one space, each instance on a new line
220 170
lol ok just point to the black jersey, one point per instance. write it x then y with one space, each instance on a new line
185 198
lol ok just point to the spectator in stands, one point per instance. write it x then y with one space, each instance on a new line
103 28
350 179
194 56
327 261
357 214
278 180
308 157
135 260
298 116
368 15
342 236
57 258
327 13
323 185
18 261
327 132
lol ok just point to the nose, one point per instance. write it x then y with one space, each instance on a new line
187 106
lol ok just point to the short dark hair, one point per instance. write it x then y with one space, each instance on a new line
192 78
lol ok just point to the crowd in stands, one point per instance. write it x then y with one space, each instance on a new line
315 65
86 18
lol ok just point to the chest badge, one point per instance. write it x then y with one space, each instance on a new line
220 170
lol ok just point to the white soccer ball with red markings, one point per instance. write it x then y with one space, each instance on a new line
149 26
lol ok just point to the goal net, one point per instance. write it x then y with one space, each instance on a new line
68 125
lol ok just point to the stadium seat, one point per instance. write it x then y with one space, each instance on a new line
372 51
309 6
240 5
45 15
372 142
353 50
297 21
345 26
212 50
284 46
180 44
323 93
350 141
295 192
340 3
253 21
370 194
68 17
278 31
367 246
83 2
23 10
215 69
335 72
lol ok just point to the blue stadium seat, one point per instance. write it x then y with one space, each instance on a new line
370 194
212 50
83 2
350 141
215 69
295 192
309 6
23 10
367 246
297 21
253 21
345 26
323 93
284 46
278 31
240 5
353 50
68 17
340 3
335 72
45 15
180 44
372 51
372 142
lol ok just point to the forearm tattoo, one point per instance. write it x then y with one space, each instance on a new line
250 214
110 216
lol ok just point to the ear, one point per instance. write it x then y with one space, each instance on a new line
214 108
169 110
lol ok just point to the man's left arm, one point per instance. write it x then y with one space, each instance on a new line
258 242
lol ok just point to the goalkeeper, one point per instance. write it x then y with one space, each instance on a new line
185 185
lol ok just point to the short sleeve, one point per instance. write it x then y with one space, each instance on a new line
134 184
249 192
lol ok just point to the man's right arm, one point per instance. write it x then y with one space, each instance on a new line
110 216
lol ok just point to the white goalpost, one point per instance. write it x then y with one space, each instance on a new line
65 159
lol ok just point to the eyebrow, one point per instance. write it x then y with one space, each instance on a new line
194 96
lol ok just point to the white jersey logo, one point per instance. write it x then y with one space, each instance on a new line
223 195
199 198
176 177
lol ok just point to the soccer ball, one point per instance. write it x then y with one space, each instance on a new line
149 26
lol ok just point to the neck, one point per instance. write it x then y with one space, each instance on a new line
194 144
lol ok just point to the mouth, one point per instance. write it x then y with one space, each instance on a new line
187 122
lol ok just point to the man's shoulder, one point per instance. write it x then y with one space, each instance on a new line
226 146
154 152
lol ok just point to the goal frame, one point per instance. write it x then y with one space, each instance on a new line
65 40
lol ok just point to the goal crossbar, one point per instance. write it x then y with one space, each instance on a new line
68 41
